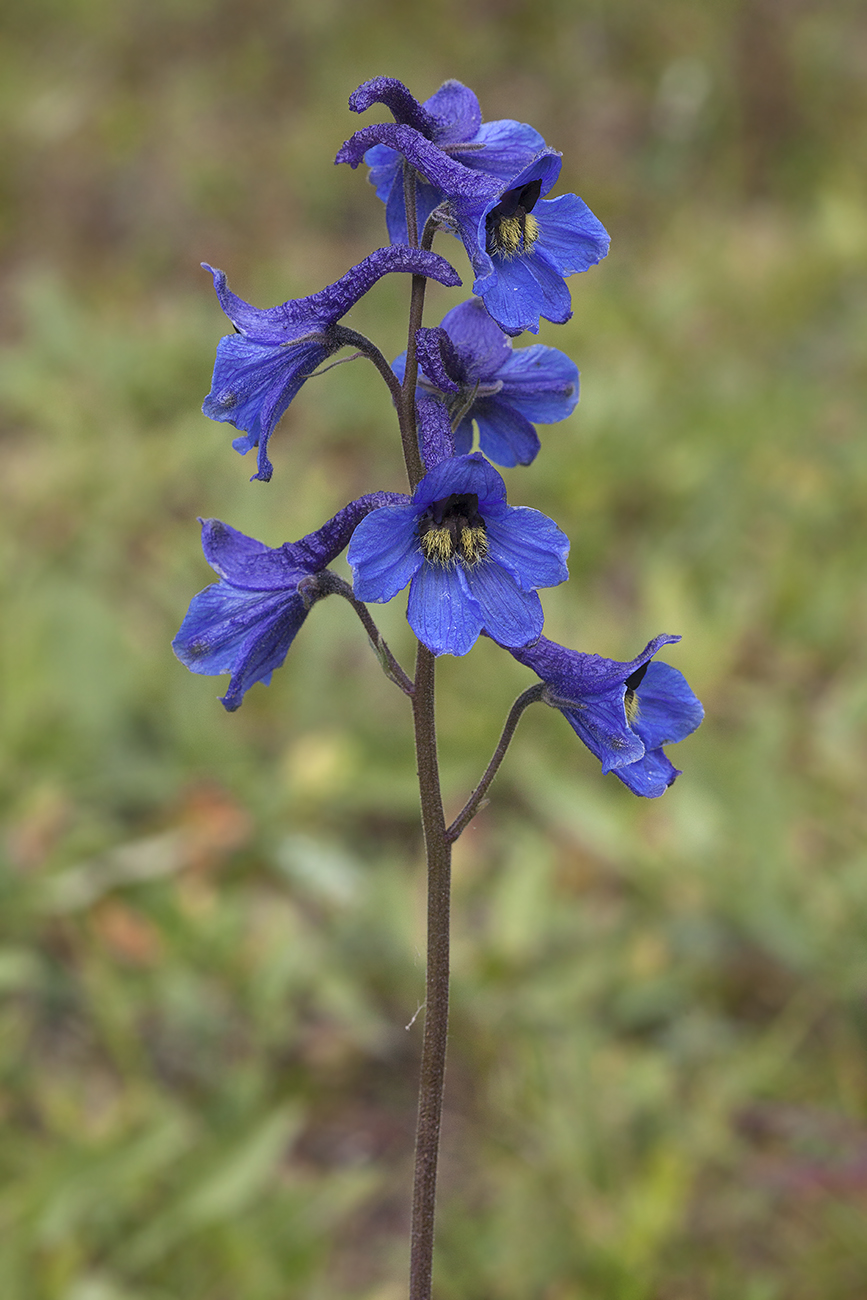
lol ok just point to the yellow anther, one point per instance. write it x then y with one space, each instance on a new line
631 705
436 545
516 234
474 545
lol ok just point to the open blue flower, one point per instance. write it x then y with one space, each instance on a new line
483 378
623 712
245 623
471 560
520 244
261 367
452 120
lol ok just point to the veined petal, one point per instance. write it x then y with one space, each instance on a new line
221 618
529 545
441 611
245 633
523 288
395 207
570 235
384 166
462 474
509 147
252 385
483 346
650 776
384 553
263 651
456 112
667 708
600 721
464 437
512 616
540 382
505 435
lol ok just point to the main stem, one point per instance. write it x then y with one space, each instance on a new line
436 1019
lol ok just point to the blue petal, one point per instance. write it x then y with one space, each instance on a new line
509 147
464 437
457 112
530 546
384 164
482 345
384 552
462 474
522 289
570 235
505 435
245 633
512 616
667 708
395 209
427 197
441 612
252 385
600 721
540 382
650 776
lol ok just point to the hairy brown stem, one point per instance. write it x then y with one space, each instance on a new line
433 1058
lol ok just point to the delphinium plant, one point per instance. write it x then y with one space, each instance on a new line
473 563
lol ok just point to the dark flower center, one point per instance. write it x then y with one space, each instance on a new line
630 699
509 228
453 529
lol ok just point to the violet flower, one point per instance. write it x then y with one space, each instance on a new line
471 560
623 712
471 362
245 623
261 367
520 245
452 120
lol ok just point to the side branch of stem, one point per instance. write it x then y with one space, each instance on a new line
471 807
332 584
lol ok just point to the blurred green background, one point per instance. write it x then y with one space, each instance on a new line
212 925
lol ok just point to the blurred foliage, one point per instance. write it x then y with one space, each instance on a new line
212 925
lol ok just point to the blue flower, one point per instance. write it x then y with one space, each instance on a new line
261 367
520 244
452 120
504 390
245 623
471 560
624 712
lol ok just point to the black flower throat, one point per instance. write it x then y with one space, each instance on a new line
452 529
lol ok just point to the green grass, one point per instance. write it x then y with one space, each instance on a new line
212 925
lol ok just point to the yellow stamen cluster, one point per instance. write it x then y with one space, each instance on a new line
440 546
516 234
631 705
